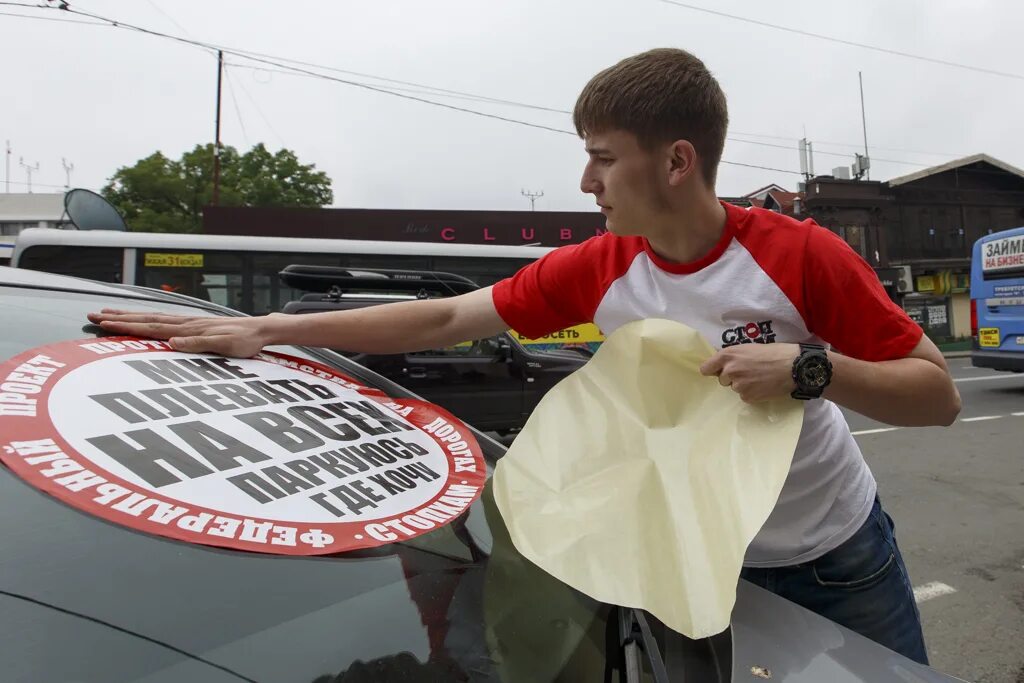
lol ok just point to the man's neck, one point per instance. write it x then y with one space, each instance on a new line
690 234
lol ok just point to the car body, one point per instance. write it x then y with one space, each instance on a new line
89 600
493 384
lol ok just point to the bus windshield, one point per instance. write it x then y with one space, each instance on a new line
997 301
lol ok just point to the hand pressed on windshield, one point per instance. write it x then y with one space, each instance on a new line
235 337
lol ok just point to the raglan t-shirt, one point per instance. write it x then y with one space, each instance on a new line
770 279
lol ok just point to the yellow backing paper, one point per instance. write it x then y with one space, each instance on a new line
640 482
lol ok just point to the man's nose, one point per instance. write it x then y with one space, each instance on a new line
589 184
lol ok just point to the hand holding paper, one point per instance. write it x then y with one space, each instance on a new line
757 372
640 482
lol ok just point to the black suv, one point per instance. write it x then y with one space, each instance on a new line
493 384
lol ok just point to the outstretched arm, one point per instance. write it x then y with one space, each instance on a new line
389 328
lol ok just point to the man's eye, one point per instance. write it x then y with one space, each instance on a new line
605 160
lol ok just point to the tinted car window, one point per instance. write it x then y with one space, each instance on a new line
90 601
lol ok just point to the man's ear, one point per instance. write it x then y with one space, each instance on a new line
682 162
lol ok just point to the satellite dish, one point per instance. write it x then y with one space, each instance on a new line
89 211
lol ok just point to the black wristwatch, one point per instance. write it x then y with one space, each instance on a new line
812 371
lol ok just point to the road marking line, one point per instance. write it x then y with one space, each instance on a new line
981 379
932 590
1017 414
980 419
874 431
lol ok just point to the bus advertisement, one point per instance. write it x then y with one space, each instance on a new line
997 301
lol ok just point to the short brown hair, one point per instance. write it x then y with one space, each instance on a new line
660 95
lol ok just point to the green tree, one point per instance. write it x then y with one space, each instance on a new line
159 194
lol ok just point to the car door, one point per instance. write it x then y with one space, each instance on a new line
542 370
477 381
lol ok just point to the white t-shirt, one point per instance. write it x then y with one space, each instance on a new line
769 279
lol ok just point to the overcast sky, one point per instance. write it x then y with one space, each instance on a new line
103 97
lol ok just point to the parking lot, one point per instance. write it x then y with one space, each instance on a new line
957 496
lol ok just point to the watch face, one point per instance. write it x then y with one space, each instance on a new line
814 372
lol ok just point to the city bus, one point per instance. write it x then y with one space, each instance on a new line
242 272
997 301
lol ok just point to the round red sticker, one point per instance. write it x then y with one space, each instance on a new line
273 454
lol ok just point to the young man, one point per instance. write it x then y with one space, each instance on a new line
773 293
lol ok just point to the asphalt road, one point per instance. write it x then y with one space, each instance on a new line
957 497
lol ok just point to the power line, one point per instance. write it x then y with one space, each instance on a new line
237 53
767 168
62 188
423 90
433 90
834 154
280 140
289 72
245 53
469 111
849 144
393 93
842 41
55 19
207 46
169 17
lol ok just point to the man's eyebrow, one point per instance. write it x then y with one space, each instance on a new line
597 150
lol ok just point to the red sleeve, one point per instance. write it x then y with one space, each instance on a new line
564 287
847 306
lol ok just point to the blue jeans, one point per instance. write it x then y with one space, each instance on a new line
862 585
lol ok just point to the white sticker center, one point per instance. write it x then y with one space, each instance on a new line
246 436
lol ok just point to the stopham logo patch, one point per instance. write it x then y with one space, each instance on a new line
749 333
272 454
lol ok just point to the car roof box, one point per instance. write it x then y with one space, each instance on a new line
328 278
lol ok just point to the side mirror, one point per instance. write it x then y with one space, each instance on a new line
504 350
494 347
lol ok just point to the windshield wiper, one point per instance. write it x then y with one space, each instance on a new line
635 637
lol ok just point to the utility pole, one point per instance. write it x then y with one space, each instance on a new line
68 168
28 170
7 174
216 138
864 125
532 196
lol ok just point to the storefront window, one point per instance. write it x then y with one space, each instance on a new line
854 236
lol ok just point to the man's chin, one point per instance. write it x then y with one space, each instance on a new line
616 228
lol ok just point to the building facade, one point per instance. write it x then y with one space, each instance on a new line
918 230
27 210
543 228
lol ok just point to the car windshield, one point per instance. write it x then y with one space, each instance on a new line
92 601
